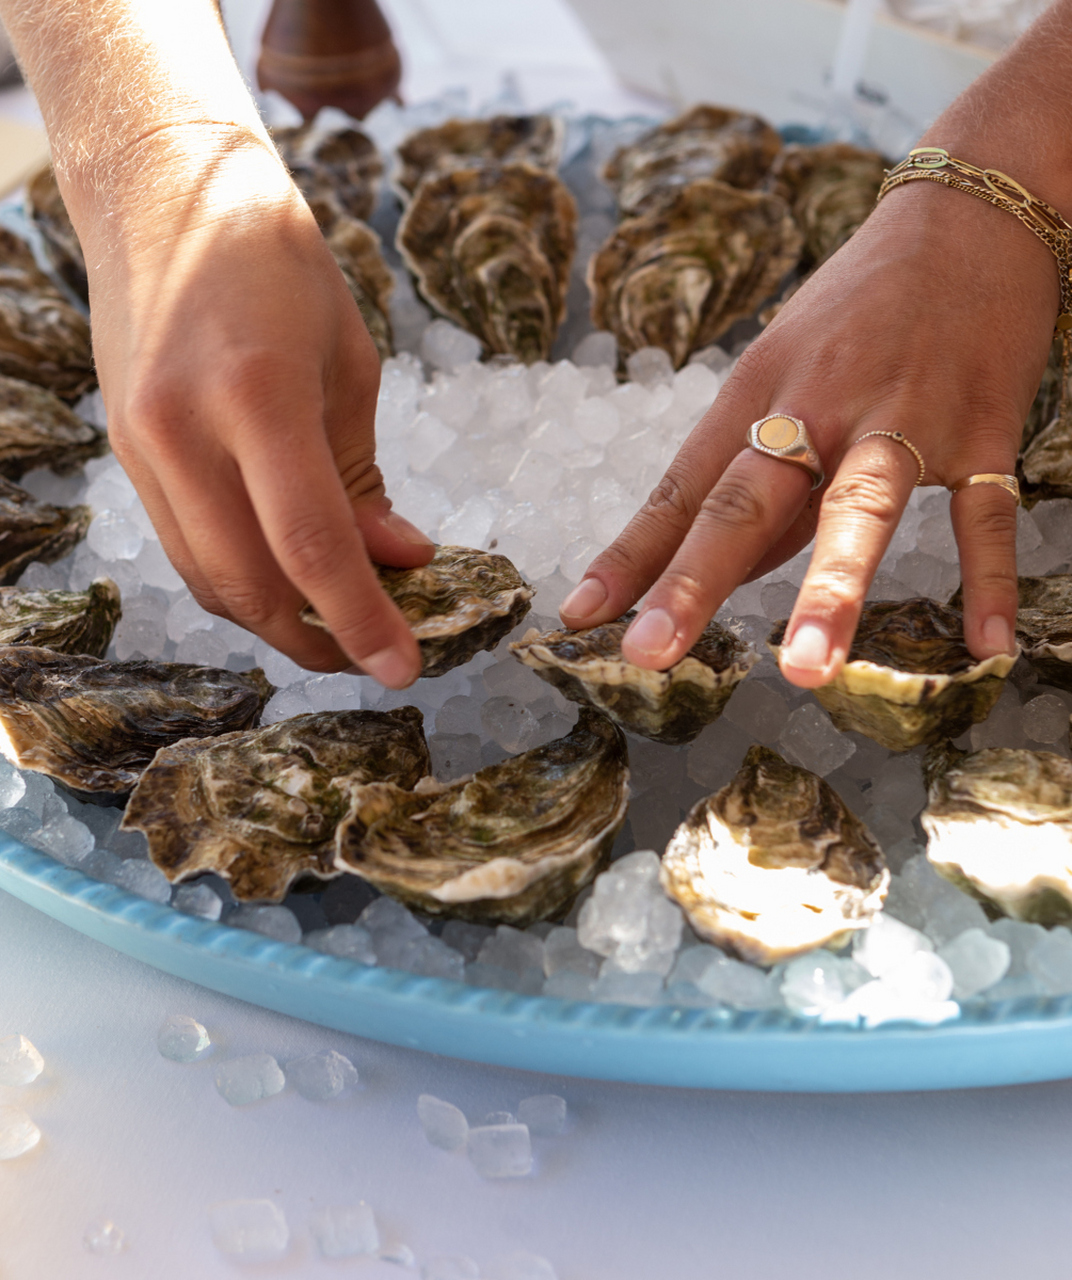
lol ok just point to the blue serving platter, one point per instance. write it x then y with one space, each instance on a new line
997 1043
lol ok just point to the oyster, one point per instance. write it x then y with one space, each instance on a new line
513 844
669 706
463 601
535 140
32 530
1047 402
679 277
1044 626
94 726
260 808
45 206
705 142
38 430
490 247
356 248
774 864
909 677
999 826
63 621
1045 463
338 173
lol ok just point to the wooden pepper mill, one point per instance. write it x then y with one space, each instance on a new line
329 53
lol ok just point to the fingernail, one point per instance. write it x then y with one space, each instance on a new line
652 632
997 634
584 599
809 649
401 528
390 668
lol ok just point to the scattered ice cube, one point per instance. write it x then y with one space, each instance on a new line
1050 961
65 838
183 1039
20 1062
113 537
520 1266
321 1076
244 1080
142 879
628 917
466 938
443 1124
348 941
1045 719
500 1117
249 1229
500 1150
887 944
543 1113
12 785
105 1238
279 923
445 346
562 951
811 741
759 709
197 900
400 1254
345 1231
819 981
976 961
18 1133
457 1267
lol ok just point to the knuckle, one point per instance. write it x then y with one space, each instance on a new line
864 493
993 521
733 503
670 499
686 590
361 477
836 587
247 600
308 549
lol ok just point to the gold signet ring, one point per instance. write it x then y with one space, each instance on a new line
1009 483
781 436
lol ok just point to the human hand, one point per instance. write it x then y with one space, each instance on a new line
935 320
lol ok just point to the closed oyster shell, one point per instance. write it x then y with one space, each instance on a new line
45 206
535 140
706 142
356 248
910 678
94 726
670 706
679 277
513 844
999 826
43 339
32 530
774 864
260 808
1044 626
338 172
38 430
63 621
490 248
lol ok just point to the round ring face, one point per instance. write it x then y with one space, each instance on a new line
778 433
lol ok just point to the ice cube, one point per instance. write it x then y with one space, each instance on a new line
428 439
650 366
568 985
457 1267
500 1117
65 838
203 649
279 923
759 709
976 960
471 524
466 938
244 1080
443 1124
510 724
500 1150
818 981
321 1076
743 985
520 1266
445 346
20 1062
182 1039
345 1231
454 755
12 786
811 741
613 986
510 948
197 900
1045 719
1004 727
18 1133
104 1238
142 879
400 1254
432 958
1050 961
347 941
113 537
249 1229
887 944
922 977
599 348
629 919
543 1113
562 951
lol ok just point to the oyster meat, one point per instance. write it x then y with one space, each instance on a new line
490 247
679 277
356 248
337 172
38 430
45 206
669 706
93 726
43 339
706 142
774 864
32 530
513 844
260 808
461 602
63 621
999 826
909 678
535 140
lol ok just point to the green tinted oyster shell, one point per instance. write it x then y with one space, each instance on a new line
706 142
45 206
774 864
679 277
512 844
671 706
910 678
338 172
535 140
260 807
63 621
356 248
38 430
1044 626
999 826
94 726
32 530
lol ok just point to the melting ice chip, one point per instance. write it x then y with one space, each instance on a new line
544 1114
20 1063
321 1076
245 1080
182 1039
400 1254
345 1231
18 1133
501 1150
248 1228
104 1238
443 1124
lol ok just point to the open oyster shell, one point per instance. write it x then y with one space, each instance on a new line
339 172
999 826
32 530
706 142
94 726
535 140
356 248
670 706
45 206
43 339
260 808
774 864
38 430
909 677
459 603
679 277
490 247
513 844
63 621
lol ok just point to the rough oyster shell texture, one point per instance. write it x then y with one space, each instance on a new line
1044 626
338 172
63 621
706 142
909 678
679 277
490 247
32 530
774 864
999 826
535 140
38 430
94 726
43 339
45 206
513 844
260 808
670 706
356 248
1045 462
